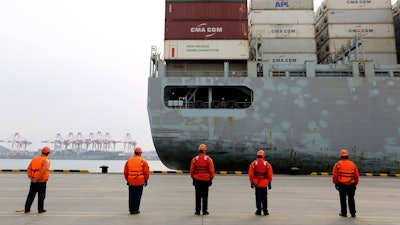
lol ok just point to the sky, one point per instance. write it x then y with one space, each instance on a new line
77 66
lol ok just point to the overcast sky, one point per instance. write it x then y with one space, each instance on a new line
77 66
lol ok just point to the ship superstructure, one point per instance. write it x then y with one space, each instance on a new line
236 96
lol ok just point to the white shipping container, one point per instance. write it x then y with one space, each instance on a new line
351 30
381 45
355 16
382 58
281 17
279 4
282 31
357 4
289 58
206 49
288 46
352 4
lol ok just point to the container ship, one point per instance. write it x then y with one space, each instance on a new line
240 76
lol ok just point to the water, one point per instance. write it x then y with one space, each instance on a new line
114 166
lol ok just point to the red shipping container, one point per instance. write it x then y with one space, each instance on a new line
205 11
200 30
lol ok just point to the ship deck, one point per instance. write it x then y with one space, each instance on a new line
92 198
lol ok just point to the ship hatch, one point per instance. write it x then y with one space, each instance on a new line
232 97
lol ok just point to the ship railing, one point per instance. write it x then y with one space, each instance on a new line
206 74
333 74
317 74
386 70
215 104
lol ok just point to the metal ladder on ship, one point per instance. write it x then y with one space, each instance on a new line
347 49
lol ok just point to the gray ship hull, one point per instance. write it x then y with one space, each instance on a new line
300 122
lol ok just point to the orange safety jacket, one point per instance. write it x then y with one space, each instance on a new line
39 168
136 171
260 173
202 168
345 172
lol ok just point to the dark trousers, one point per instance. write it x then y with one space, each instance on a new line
40 188
135 194
347 192
201 188
261 199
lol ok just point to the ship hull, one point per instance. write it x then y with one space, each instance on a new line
300 122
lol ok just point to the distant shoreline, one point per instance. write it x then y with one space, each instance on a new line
81 154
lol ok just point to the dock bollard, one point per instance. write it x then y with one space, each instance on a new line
104 169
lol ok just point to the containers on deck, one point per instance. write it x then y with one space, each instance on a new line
339 22
206 30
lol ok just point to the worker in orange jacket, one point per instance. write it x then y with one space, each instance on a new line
202 173
260 176
38 174
345 176
136 174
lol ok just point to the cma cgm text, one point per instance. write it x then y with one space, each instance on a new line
280 60
206 29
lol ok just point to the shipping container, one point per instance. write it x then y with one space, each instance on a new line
184 30
281 17
206 1
289 58
177 11
382 45
287 46
206 49
385 58
382 58
282 31
282 4
352 5
351 30
355 16
356 4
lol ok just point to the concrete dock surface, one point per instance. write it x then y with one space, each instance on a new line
95 199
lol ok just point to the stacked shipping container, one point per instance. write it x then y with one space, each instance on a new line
339 21
206 30
282 31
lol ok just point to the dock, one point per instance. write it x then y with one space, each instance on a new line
98 198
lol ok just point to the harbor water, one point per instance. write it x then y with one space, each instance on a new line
93 166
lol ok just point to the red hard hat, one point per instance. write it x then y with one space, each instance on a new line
45 150
344 153
202 147
138 150
261 153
